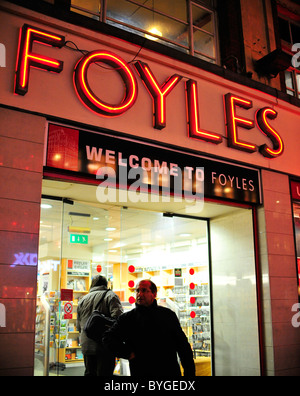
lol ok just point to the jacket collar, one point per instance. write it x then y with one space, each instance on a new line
98 288
152 307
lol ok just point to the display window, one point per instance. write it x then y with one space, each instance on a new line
203 266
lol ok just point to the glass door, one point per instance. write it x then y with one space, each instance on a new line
172 251
84 254
74 244
79 240
48 287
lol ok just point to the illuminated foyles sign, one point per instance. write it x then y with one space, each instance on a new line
86 93
28 59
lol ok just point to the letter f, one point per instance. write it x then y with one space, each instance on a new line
27 59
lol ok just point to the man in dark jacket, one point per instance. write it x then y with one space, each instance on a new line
150 336
98 361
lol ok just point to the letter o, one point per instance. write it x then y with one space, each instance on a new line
146 164
87 95
225 180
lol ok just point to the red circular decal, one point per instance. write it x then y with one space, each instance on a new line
131 283
131 268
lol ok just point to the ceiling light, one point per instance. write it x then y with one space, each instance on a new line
185 235
153 31
46 206
110 229
107 239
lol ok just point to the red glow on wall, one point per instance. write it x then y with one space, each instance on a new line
234 121
157 92
86 94
193 116
28 59
262 117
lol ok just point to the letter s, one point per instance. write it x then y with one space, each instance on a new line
262 117
296 57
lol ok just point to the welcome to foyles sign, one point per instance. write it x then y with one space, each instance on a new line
121 164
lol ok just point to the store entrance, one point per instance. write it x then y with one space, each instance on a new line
204 268
79 240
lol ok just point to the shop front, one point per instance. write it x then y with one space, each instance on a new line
183 221
128 163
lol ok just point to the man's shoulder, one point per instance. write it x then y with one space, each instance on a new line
165 311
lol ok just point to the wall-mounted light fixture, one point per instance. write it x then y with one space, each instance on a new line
273 63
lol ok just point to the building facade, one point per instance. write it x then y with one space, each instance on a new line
139 141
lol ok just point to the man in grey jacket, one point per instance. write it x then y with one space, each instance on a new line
97 360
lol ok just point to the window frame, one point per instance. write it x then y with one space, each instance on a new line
287 47
295 91
189 49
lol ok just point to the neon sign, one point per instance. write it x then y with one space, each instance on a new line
88 96
158 92
265 127
193 117
28 59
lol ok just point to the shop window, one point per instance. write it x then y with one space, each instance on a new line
187 25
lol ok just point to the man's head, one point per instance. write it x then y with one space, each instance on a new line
99 280
146 292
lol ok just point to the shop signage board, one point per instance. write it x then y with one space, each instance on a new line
66 294
84 153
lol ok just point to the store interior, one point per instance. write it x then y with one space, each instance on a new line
81 237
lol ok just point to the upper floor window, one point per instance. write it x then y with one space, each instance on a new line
289 32
188 25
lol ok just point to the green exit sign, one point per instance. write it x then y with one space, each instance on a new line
79 239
